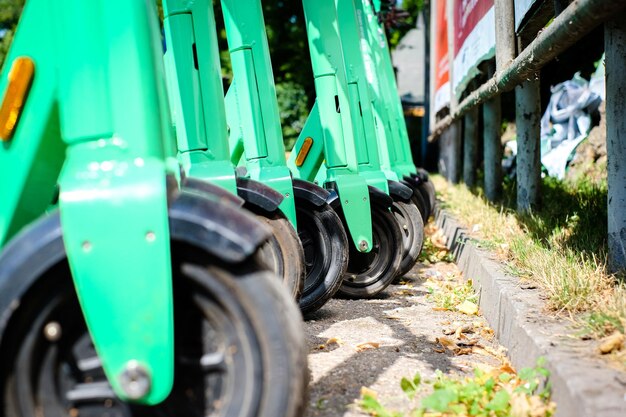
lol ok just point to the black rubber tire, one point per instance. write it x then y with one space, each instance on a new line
410 219
430 190
423 191
430 187
418 200
283 252
262 370
368 274
325 246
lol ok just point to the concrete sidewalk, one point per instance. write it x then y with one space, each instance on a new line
583 385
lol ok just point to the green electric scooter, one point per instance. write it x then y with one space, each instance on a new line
369 130
394 146
197 104
328 136
121 292
257 143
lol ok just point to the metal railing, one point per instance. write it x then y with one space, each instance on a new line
522 73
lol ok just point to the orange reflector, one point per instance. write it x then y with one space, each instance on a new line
304 151
20 79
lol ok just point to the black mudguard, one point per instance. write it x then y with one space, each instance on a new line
399 191
422 173
230 235
308 191
258 196
414 180
206 189
379 197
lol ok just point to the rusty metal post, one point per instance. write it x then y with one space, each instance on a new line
615 49
470 147
527 120
505 33
492 148
457 152
450 153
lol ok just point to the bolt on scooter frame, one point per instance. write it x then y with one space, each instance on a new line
96 121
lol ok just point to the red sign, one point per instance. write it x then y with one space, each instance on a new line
442 60
442 74
467 14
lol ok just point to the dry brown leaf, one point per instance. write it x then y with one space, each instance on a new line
335 341
366 346
466 328
368 391
439 350
611 343
403 292
468 342
520 406
439 309
462 351
467 307
508 369
487 332
445 341
538 408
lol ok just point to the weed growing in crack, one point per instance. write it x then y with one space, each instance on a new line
489 392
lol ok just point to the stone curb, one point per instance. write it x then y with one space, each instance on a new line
582 384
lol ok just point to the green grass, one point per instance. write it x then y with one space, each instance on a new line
561 247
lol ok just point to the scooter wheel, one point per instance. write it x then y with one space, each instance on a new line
283 252
239 351
421 192
418 200
325 246
370 273
408 216
430 187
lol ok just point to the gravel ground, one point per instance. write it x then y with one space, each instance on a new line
374 343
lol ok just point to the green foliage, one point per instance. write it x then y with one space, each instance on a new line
370 405
413 7
496 393
292 102
291 64
409 386
449 294
10 11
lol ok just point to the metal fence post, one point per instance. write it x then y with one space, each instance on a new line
505 33
470 147
492 114
527 119
450 153
615 49
456 152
